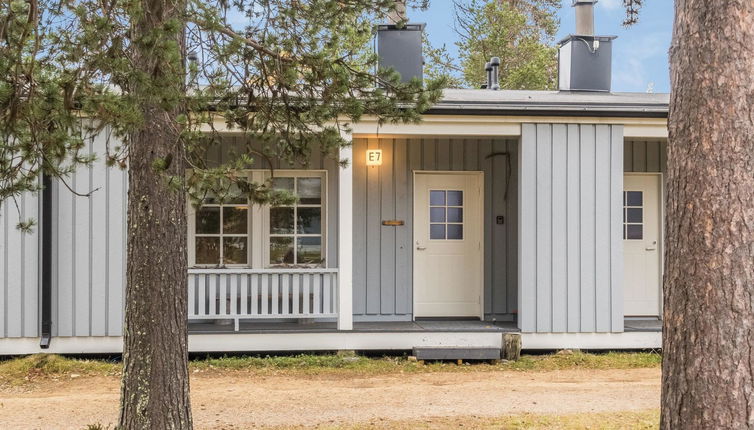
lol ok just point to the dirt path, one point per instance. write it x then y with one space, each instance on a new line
241 401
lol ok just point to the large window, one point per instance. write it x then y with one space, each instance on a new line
235 233
296 231
222 233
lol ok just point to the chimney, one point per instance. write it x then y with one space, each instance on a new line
399 44
584 17
585 60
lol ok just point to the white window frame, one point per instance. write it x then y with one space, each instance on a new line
324 217
192 235
258 251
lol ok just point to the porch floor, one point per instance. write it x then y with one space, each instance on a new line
363 327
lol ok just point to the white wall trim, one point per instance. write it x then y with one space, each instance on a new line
625 340
345 340
345 240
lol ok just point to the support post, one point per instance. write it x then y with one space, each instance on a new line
345 240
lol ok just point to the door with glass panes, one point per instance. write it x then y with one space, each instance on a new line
448 225
641 244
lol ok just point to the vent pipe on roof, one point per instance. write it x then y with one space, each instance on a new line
492 68
584 17
488 71
494 83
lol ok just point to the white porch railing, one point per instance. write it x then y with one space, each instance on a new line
236 294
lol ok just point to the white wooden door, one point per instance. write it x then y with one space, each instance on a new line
448 245
642 238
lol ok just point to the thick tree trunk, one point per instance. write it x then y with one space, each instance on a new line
155 386
708 339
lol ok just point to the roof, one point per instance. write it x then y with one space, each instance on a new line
551 103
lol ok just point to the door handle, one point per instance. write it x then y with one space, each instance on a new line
421 248
652 247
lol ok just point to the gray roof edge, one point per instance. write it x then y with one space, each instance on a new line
552 102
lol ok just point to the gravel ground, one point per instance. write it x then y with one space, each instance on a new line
237 400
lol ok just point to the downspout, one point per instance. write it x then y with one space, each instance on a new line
46 334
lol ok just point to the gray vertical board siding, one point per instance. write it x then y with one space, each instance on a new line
527 227
387 234
572 215
616 240
89 247
403 248
19 268
570 243
373 218
543 216
587 227
359 228
383 268
645 156
559 228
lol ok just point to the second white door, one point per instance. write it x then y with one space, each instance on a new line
641 244
448 245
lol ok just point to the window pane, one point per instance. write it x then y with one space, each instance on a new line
455 231
455 198
455 214
208 220
283 184
281 250
310 191
634 198
437 198
281 220
207 250
235 220
437 214
634 215
309 250
634 232
437 231
310 220
234 250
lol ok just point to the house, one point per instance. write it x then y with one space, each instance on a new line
537 212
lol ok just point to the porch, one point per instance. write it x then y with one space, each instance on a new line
418 326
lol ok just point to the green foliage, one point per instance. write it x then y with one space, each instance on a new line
440 64
290 76
521 33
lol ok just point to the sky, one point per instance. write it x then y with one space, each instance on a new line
640 54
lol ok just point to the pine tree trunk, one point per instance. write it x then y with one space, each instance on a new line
155 385
708 339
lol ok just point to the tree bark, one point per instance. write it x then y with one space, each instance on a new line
155 385
708 338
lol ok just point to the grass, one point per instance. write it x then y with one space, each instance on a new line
638 420
22 370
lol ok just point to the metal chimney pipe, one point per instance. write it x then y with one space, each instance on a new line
494 74
488 69
584 17
398 14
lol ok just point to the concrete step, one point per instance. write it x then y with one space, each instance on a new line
456 353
